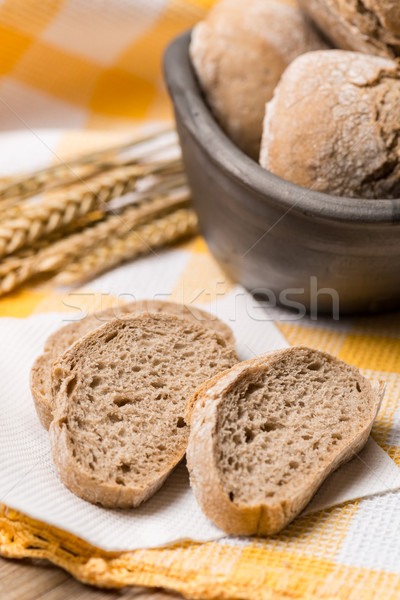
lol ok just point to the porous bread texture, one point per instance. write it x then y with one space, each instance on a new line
58 342
265 435
370 26
119 397
239 53
333 125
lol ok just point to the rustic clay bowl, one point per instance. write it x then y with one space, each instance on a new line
278 239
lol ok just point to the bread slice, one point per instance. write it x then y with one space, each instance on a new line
120 394
265 435
62 339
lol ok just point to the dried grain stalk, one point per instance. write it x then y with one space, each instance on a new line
71 170
61 209
143 240
15 270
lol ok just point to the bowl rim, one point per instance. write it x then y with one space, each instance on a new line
191 106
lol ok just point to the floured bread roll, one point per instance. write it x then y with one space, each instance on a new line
333 125
371 26
239 53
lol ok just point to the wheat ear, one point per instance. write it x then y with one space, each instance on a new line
144 239
16 270
33 183
157 189
63 208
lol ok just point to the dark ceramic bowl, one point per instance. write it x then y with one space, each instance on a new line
276 238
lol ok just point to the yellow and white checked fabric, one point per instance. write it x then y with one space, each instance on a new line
349 552
96 64
87 63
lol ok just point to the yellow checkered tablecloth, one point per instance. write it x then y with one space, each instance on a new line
87 63
95 65
349 552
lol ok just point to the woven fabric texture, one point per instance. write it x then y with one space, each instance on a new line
95 65
87 63
348 552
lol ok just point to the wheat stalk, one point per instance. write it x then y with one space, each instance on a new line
15 201
38 221
114 226
61 209
14 207
16 270
14 261
157 189
14 188
76 230
14 204
144 239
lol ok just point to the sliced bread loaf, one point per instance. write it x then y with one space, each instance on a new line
58 342
119 397
265 435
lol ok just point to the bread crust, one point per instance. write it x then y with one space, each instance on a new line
328 106
239 53
373 30
234 517
53 347
82 485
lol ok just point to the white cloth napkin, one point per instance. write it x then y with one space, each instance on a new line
28 481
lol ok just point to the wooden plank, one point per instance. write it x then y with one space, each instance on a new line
40 580
72 589
6 566
30 580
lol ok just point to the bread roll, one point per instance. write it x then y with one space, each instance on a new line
371 26
239 53
333 125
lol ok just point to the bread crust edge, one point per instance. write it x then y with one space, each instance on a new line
239 519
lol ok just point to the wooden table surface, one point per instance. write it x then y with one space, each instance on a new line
39 580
